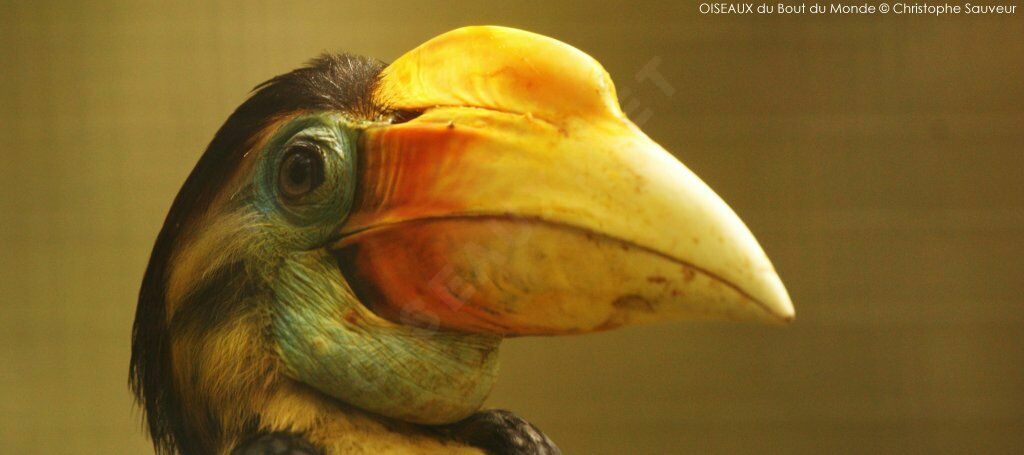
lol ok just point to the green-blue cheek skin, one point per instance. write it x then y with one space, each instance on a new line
327 341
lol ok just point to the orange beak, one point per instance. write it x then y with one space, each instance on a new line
522 201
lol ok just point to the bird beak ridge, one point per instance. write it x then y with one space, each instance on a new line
520 200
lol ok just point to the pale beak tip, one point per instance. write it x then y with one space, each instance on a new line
780 307
770 295
786 317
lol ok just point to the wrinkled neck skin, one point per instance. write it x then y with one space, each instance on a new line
330 341
296 352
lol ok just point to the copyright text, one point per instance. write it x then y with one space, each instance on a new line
898 8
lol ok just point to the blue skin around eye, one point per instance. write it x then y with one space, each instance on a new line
313 217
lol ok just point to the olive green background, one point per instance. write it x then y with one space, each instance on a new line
879 160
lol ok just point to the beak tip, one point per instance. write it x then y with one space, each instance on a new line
782 309
787 318
775 300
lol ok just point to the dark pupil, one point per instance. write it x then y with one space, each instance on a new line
301 171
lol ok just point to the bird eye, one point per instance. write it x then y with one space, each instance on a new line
302 171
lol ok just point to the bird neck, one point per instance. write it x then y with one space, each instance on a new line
338 428
233 381
232 390
327 339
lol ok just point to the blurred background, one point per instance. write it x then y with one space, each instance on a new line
879 160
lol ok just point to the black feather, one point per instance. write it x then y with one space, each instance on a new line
276 444
500 432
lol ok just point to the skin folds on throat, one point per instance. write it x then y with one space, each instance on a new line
330 341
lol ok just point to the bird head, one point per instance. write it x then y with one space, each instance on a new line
369 234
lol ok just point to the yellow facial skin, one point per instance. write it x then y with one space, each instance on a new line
522 201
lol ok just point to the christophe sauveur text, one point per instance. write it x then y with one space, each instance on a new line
936 9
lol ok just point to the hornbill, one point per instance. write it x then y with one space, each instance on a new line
337 272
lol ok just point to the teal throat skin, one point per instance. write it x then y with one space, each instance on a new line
328 340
